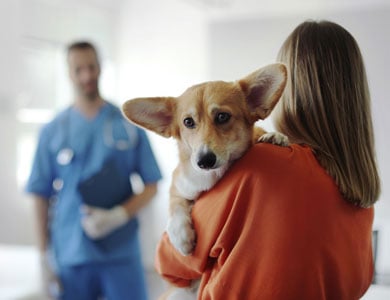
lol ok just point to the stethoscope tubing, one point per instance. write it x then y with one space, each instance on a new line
66 154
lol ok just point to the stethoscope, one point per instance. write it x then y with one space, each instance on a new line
66 154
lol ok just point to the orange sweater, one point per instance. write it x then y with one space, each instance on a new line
275 227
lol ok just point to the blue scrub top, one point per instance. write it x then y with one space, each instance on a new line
92 142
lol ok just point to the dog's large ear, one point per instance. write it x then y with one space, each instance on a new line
155 114
263 89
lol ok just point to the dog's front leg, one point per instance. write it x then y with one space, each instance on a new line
179 228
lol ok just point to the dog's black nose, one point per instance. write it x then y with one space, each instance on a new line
207 161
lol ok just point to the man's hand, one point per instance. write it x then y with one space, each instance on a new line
50 282
98 223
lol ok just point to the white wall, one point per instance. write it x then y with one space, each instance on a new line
8 76
161 52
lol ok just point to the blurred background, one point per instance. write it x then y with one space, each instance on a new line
156 48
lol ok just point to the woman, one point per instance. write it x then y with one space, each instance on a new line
294 222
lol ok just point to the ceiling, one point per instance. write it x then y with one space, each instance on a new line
232 8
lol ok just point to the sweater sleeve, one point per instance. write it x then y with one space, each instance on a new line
212 217
177 269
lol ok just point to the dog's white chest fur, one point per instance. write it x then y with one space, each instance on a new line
192 182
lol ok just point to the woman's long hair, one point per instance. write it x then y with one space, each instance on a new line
326 105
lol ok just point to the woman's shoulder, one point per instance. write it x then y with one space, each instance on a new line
268 162
272 165
269 154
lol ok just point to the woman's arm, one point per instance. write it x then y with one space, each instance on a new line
179 270
215 221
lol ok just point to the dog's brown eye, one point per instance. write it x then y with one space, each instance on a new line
189 123
222 118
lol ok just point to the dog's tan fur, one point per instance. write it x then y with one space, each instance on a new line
223 115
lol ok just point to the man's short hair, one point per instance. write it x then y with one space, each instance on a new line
82 45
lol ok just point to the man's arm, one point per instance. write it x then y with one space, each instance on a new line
138 201
42 220
51 283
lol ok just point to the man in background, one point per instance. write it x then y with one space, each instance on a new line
86 211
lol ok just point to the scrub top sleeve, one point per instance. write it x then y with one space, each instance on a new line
41 177
146 165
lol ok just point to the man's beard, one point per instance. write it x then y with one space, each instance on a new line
90 95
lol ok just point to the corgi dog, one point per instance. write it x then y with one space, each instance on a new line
213 123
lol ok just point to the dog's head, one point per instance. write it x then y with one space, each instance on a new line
212 121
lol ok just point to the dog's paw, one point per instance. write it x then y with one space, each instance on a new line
275 138
181 233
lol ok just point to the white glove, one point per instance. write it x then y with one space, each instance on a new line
51 284
98 222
